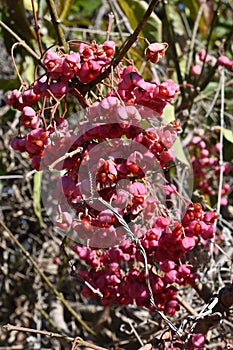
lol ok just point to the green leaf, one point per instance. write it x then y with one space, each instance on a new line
83 8
169 116
28 5
64 8
179 152
228 134
37 196
169 113
211 87
28 73
9 84
134 11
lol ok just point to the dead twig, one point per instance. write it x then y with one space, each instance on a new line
79 341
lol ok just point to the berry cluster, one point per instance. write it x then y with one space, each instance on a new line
63 72
118 154
133 89
206 167
166 242
120 174
204 58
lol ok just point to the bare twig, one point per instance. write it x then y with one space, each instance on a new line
212 26
44 277
135 333
37 28
15 65
79 341
57 24
113 5
67 155
186 305
192 42
110 22
96 31
8 177
73 271
120 17
171 35
222 84
21 42
10 327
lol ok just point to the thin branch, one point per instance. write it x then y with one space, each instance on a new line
186 306
212 27
97 31
135 332
8 177
110 22
192 43
171 35
222 83
112 5
15 65
21 42
37 28
79 341
74 274
44 277
213 70
10 327
127 45
57 24
67 155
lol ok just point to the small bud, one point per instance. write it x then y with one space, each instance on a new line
196 69
155 51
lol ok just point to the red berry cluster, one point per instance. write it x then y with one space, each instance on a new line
205 161
110 158
133 89
63 71
209 60
125 162
119 274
